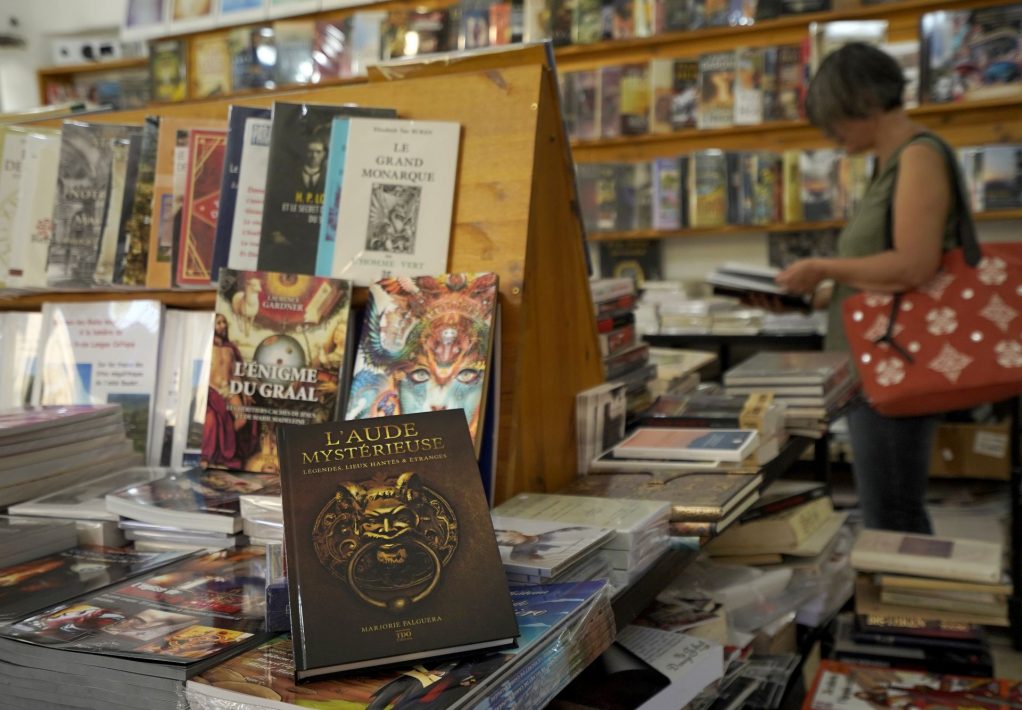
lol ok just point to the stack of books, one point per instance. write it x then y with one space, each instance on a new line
896 642
677 370
541 551
45 449
706 503
815 386
187 510
23 538
640 527
85 503
262 518
625 356
692 317
741 280
930 578
791 519
563 628
673 450
136 639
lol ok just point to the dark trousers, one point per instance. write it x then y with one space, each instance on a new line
891 462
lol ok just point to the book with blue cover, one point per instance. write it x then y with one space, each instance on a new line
688 444
332 196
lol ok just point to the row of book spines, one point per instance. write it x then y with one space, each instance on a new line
746 86
714 188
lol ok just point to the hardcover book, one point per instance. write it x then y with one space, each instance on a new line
294 188
239 138
635 99
397 199
928 556
172 623
201 206
196 499
426 345
279 341
78 366
688 444
245 229
83 180
707 188
387 532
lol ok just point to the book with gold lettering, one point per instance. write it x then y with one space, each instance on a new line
391 553
279 343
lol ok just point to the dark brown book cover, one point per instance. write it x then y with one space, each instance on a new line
391 552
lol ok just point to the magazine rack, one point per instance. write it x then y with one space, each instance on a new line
513 215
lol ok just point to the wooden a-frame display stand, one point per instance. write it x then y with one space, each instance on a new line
512 215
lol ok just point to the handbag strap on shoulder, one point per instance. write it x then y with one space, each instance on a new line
964 225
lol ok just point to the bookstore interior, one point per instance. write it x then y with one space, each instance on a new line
606 459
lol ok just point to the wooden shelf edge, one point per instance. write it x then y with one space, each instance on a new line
194 299
69 69
780 127
689 232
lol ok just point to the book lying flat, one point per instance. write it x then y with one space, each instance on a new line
799 367
688 444
743 280
545 548
928 556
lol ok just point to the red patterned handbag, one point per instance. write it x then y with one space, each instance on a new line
952 344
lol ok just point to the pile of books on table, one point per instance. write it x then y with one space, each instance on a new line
815 386
937 579
188 510
639 538
538 551
45 449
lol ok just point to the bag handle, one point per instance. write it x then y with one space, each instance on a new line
966 233
965 226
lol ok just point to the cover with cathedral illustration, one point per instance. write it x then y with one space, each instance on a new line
426 345
391 553
278 347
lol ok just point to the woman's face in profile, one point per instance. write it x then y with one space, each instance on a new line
855 135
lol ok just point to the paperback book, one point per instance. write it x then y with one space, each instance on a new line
299 139
426 345
688 444
245 229
196 499
172 623
396 199
279 342
33 221
542 548
388 521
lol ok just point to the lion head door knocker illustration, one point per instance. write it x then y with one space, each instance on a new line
388 538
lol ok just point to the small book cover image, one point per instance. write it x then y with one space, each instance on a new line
696 444
635 99
389 540
474 24
397 199
685 94
749 95
299 142
667 194
638 259
76 365
790 84
252 65
122 158
426 345
610 101
293 40
245 229
168 69
716 90
278 346
211 57
1001 184
206 152
818 176
585 102
587 24
83 184
707 192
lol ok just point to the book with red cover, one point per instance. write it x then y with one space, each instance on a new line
206 150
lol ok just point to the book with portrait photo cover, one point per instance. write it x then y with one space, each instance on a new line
688 444
173 622
545 548
390 550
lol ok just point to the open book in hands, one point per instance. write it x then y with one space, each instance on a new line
756 285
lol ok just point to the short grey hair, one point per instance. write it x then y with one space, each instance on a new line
855 81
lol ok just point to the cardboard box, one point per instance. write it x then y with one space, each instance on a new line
972 451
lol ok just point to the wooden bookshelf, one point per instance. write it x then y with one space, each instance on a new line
994 216
198 299
65 74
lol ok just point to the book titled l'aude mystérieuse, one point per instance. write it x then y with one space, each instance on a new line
390 548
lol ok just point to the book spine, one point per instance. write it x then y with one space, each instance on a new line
784 504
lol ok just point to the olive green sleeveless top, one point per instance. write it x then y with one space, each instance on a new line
863 235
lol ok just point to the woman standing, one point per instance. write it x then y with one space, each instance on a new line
855 98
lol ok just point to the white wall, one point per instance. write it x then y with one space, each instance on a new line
40 21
